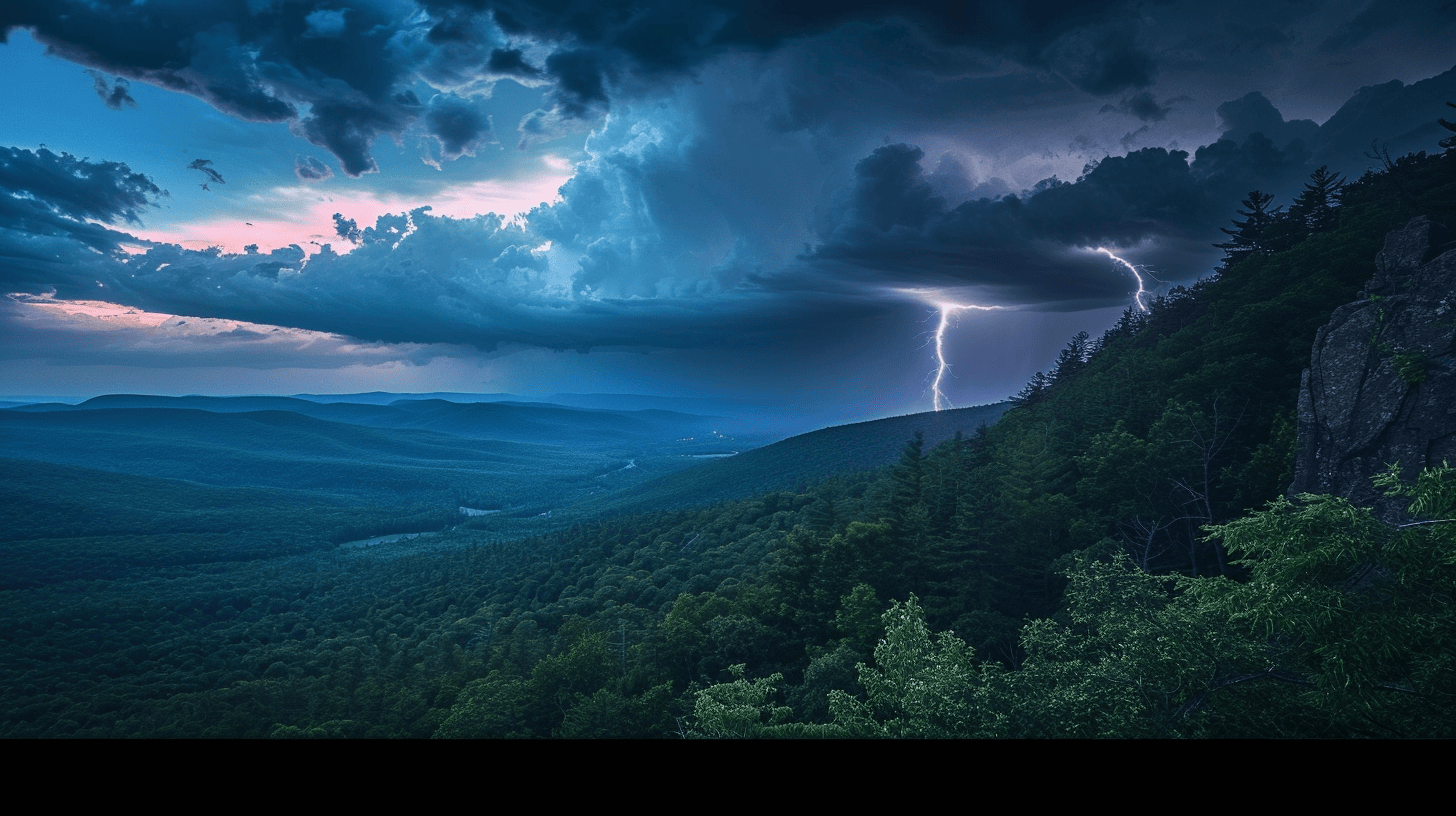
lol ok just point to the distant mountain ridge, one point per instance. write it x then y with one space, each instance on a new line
535 423
803 460
530 456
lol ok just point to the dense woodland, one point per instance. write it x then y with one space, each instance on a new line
1113 558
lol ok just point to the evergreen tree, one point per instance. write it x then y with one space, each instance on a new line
1033 390
908 476
1251 235
1316 208
1073 357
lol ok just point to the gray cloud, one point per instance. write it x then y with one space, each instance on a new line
889 227
458 126
309 168
205 167
1253 113
76 189
1102 62
482 282
1392 115
684 226
1374 18
1142 105
511 62
667 240
50 206
334 75
341 77
114 91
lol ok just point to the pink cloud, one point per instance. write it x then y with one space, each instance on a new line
303 215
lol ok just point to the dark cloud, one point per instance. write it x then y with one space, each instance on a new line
1394 116
341 77
458 126
889 193
1247 38
333 74
664 36
953 181
1229 167
347 228
1029 250
114 91
1143 105
309 168
580 82
205 167
1121 200
53 209
1375 17
74 189
511 62
1254 113
348 130
890 229
1102 62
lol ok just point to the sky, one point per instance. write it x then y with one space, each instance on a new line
772 203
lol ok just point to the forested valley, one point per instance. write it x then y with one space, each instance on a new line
1112 557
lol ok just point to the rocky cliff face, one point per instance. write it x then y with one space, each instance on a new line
1381 384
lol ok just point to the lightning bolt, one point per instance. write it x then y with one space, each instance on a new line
1136 273
941 366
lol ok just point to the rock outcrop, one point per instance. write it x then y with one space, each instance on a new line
1381 385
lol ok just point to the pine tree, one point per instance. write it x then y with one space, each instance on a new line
1033 390
1450 141
1073 358
1316 208
1252 235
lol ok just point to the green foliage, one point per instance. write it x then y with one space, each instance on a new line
1410 365
1255 233
741 709
1124 659
921 686
1357 609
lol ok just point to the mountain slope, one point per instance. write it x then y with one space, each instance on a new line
801 460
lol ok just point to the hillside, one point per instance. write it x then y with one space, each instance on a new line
800 461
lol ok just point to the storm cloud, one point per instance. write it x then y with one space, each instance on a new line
640 279
342 77
738 175
1142 105
890 228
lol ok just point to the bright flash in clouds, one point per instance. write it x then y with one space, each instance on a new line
1137 275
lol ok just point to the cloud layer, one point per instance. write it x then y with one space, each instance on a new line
341 77
749 177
